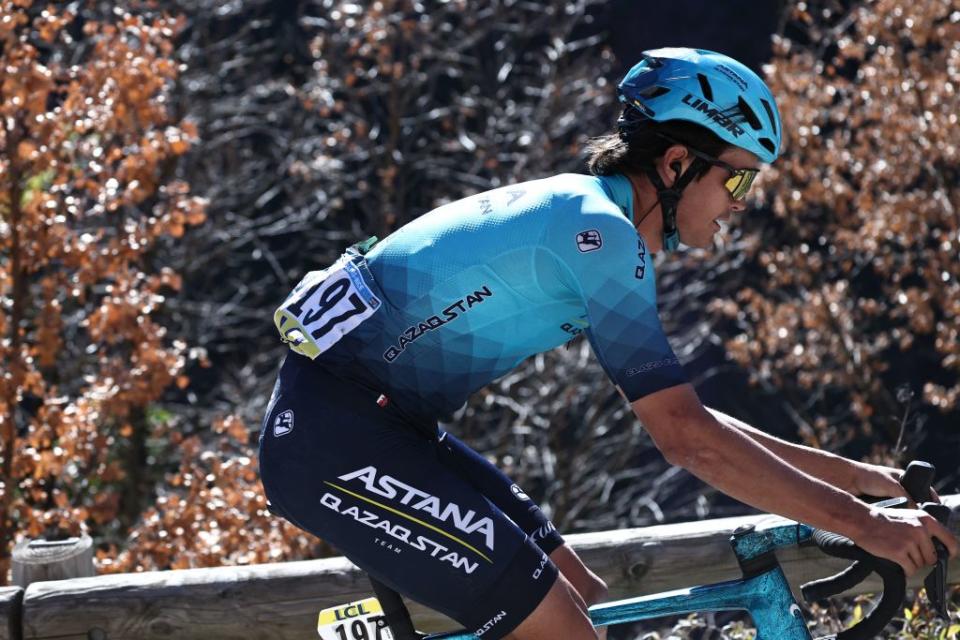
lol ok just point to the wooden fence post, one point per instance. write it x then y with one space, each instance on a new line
40 560
11 618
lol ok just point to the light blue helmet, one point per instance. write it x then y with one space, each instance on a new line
708 89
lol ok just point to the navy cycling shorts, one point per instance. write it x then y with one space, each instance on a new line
409 504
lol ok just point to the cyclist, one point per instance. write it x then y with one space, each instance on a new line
401 331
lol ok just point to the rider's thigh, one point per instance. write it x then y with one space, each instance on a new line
561 614
588 584
500 489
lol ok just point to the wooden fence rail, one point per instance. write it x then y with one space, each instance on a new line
281 601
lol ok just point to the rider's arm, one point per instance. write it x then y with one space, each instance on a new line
613 276
727 458
832 469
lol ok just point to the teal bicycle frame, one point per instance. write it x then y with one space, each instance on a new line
763 591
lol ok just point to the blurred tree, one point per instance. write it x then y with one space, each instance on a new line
852 293
87 150
422 103
210 512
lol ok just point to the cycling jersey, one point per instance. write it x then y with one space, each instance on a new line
402 333
472 288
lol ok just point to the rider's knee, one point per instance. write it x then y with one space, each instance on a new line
596 591
561 614
590 587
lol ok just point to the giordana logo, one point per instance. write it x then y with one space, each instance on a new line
283 423
518 492
588 241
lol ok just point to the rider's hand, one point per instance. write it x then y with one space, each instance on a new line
905 537
881 482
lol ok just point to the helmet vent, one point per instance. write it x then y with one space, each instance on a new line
654 92
705 87
748 114
773 120
653 62
768 145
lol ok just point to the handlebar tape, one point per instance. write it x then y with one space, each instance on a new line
846 579
894 592
936 580
916 481
894 583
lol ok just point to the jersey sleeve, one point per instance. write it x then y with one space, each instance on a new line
612 272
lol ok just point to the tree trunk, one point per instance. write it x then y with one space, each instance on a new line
8 434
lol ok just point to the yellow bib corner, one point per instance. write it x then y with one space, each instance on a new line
333 615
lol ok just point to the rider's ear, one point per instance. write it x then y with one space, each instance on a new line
673 160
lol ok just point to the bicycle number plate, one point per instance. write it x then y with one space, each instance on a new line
360 620
324 307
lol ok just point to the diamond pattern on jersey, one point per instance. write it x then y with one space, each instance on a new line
445 339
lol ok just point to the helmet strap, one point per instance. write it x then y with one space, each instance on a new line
669 199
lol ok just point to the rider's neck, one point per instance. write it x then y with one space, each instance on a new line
647 218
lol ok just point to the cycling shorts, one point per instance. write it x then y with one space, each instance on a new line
406 502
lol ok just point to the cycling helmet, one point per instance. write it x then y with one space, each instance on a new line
709 89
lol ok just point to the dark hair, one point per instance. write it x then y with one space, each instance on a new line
640 143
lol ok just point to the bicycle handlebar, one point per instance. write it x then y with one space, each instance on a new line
894 583
916 480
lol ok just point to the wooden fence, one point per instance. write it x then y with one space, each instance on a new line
281 601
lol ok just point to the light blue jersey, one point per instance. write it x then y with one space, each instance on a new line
472 288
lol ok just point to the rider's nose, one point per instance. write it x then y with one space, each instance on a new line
737 205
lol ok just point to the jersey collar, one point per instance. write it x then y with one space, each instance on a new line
620 190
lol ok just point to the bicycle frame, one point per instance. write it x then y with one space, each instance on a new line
763 591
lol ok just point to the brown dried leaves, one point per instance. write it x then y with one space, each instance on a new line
868 189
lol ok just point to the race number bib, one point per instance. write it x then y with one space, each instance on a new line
324 307
361 620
